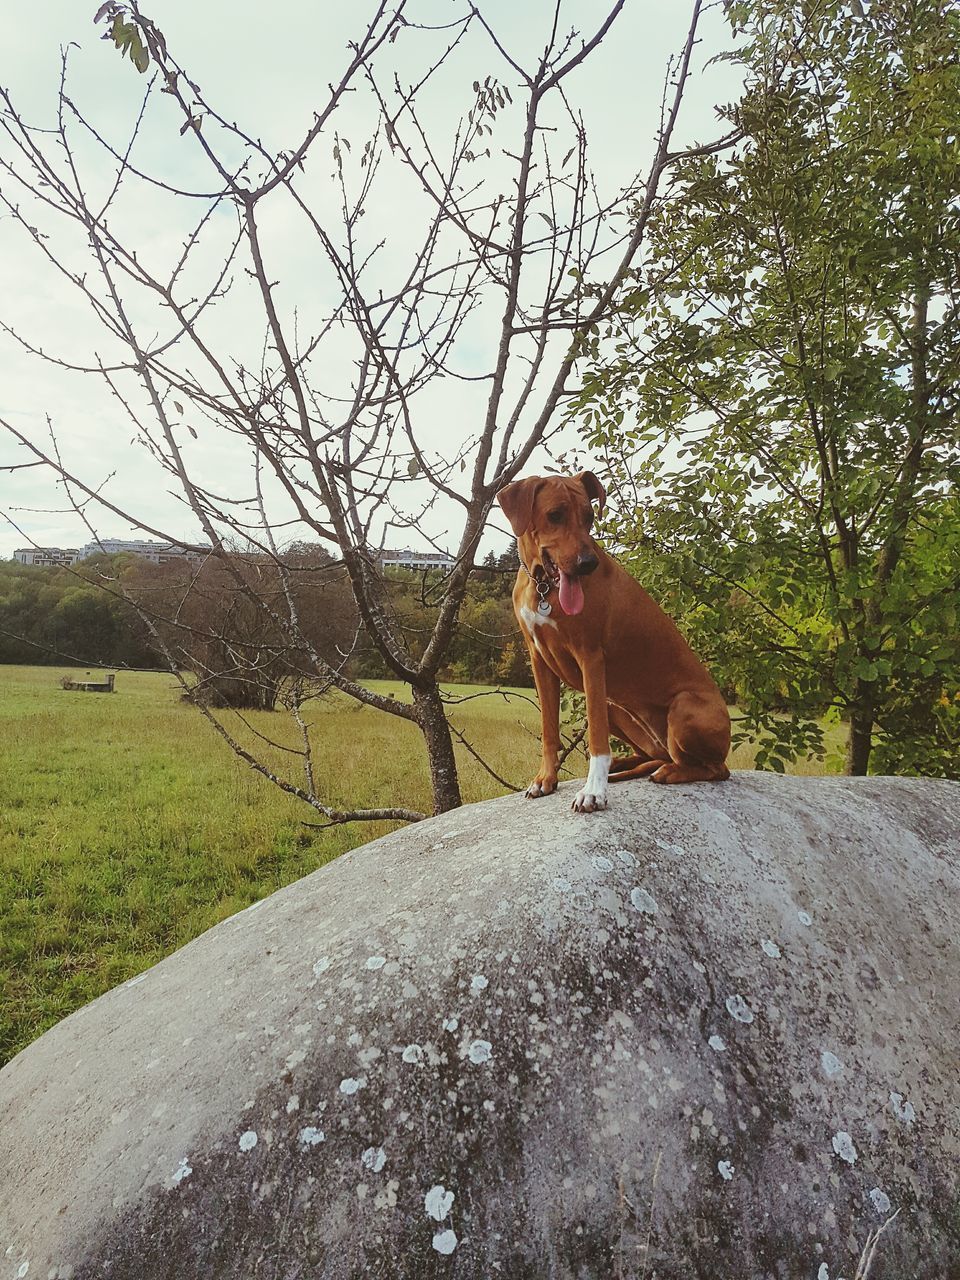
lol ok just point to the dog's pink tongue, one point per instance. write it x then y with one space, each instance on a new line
571 593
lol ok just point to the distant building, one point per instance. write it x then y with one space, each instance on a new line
49 557
57 557
416 560
155 552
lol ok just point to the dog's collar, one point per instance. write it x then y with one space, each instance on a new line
542 581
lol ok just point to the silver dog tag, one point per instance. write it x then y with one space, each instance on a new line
545 608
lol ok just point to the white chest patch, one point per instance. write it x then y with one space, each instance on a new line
532 619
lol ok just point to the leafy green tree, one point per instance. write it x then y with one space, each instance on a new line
485 627
85 616
60 616
781 413
514 666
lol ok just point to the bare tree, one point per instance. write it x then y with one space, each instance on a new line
221 633
500 229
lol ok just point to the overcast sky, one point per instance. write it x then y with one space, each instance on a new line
268 68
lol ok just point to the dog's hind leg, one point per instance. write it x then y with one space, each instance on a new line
632 731
673 771
623 764
681 771
698 738
643 769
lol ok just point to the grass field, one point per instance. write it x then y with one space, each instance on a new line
127 827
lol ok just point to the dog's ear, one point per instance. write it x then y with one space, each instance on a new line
594 489
517 502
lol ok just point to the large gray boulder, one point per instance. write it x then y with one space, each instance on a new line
710 1032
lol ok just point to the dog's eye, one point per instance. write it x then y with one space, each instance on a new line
555 517
590 518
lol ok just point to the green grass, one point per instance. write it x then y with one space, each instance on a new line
127 827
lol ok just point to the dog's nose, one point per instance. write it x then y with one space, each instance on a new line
586 564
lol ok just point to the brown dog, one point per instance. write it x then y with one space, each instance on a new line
589 624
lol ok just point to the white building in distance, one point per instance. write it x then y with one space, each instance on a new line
49 557
58 557
155 552
416 560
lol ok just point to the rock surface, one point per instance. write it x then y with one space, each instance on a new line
710 1032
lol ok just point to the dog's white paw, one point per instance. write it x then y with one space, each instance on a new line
586 802
593 794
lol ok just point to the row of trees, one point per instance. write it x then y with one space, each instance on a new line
53 616
103 613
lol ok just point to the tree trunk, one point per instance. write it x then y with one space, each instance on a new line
860 741
869 694
443 764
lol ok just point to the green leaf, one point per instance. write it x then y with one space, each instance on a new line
139 54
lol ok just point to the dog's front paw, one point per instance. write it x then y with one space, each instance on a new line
586 802
541 787
593 795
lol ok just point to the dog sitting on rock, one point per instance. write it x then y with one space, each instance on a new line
589 625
